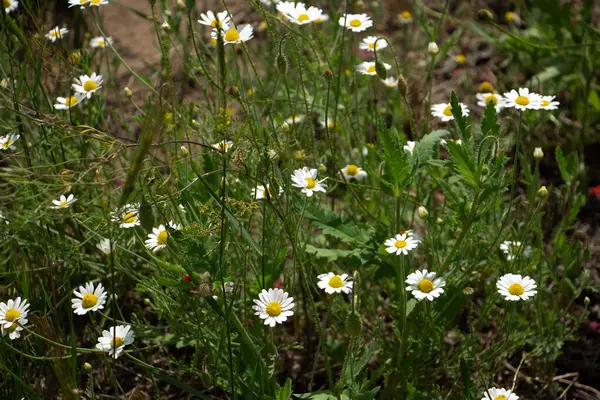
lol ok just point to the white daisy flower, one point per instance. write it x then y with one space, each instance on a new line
522 100
405 17
272 154
223 146
457 141
127 216
329 124
13 315
269 2
444 111
356 22
98 3
483 99
402 243
332 283
499 394
512 249
56 33
10 5
294 119
63 202
174 226
88 298
548 103
285 7
369 68
81 3
390 82
7 142
64 103
235 36
322 18
115 340
221 20
263 192
424 285
372 43
410 146
4 82
353 172
104 246
274 306
101 42
87 85
157 240
300 15
515 287
307 180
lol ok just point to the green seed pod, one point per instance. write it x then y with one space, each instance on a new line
402 86
353 323
380 69
146 216
282 64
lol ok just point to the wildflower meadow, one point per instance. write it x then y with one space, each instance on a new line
264 199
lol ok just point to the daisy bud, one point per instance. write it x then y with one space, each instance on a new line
127 92
282 64
166 27
168 13
87 367
184 150
285 127
322 168
328 74
485 15
234 91
75 56
353 323
115 297
468 291
538 153
181 4
380 69
586 301
543 192
402 86
195 124
432 48
423 213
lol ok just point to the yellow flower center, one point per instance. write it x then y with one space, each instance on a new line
161 238
491 99
310 183
303 17
101 43
486 87
89 86
355 23
216 24
352 170
400 244
461 59
516 289
89 300
55 33
12 314
501 397
63 203
232 35
117 342
371 45
213 41
6 3
406 15
425 286
70 101
96 1
273 309
510 16
522 101
129 217
371 69
336 282
545 103
448 111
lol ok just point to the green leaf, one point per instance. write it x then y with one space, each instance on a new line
594 100
489 124
460 121
285 392
337 226
324 395
329 254
562 165
424 147
463 163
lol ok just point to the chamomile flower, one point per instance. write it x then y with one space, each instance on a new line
402 243
322 18
64 103
522 99
56 33
405 17
220 20
8 142
88 298
88 84
332 283
390 82
263 192
512 249
372 43
483 99
424 285
306 179
410 146
157 240
13 315
174 226
499 394
115 340
274 306
356 22
457 141
269 2
98 3
515 287
235 36
352 172
223 146
81 3
63 202
300 15
127 216
444 111
548 103
101 42
294 119
10 5
285 7
369 68
327 124
105 246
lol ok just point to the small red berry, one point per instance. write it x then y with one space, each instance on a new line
187 278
